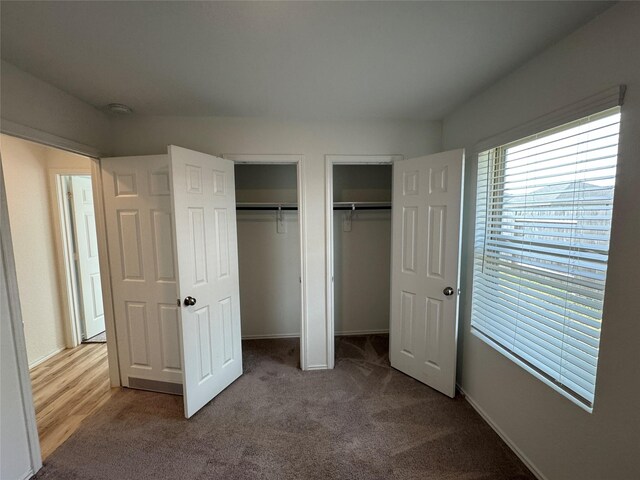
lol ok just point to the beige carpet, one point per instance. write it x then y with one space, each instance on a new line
362 420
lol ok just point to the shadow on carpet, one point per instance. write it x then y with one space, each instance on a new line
362 420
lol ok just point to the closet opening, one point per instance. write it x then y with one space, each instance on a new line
269 246
361 256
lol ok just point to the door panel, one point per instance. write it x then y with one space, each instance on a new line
84 222
427 195
207 254
137 194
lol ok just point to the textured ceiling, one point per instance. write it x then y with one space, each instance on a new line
413 60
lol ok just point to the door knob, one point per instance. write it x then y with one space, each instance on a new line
189 301
447 291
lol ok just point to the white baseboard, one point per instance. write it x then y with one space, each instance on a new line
529 464
317 367
45 358
28 474
352 333
270 335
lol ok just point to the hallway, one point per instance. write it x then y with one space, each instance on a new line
67 388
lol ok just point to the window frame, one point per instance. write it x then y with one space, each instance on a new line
496 162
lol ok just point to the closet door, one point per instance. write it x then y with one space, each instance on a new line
207 260
427 194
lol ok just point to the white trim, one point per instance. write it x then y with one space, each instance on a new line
105 273
46 357
28 474
353 333
526 367
330 161
317 367
17 329
299 161
64 253
270 336
521 455
43 138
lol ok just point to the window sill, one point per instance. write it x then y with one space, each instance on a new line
532 371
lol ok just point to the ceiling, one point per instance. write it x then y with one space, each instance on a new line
410 60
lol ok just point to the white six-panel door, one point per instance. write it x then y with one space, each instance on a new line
427 195
208 282
84 223
138 210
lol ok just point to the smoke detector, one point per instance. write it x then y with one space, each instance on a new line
119 108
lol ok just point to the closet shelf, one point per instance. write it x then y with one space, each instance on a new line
266 206
362 205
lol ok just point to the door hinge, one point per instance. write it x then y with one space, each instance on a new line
69 195
178 302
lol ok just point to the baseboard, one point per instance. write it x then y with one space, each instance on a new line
352 333
317 367
270 335
28 474
45 358
529 464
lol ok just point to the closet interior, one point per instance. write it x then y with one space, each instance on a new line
268 250
361 248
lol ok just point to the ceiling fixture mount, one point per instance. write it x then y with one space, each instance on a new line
119 108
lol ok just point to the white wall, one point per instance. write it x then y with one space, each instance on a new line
561 440
26 173
27 101
362 272
362 256
144 135
269 261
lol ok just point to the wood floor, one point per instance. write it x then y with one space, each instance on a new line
68 388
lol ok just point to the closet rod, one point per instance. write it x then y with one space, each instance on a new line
267 206
362 205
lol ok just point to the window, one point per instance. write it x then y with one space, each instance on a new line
543 222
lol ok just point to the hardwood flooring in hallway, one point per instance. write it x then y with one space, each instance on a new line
67 388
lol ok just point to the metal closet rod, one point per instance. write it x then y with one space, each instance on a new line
266 206
362 205
294 206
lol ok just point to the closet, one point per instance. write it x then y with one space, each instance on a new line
268 250
361 248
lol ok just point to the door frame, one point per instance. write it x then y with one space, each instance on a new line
17 331
299 162
64 252
41 137
330 161
50 140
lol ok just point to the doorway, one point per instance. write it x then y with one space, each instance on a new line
268 250
426 193
80 248
359 200
50 213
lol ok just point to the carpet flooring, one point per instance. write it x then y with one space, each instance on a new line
362 420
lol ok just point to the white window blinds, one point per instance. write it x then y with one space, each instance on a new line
543 222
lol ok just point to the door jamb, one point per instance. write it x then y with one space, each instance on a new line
298 160
330 161
17 330
62 234
105 273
